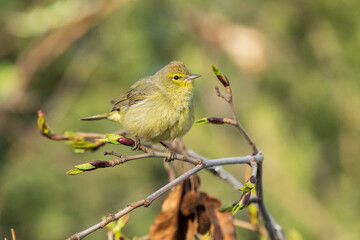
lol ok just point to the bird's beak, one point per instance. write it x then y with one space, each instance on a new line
193 76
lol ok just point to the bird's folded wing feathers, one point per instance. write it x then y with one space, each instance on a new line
139 92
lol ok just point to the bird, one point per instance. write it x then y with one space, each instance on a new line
157 108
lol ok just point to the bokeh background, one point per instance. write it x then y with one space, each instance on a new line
294 69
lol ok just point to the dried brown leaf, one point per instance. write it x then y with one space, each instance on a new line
186 212
189 203
227 226
166 223
222 227
192 226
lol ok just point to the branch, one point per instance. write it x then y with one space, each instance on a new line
229 99
228 177
80 141
148 153
86 141
179 157
250 226
109 218
270 225
219 172
68 136
148 200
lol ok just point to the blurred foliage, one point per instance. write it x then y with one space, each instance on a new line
293 67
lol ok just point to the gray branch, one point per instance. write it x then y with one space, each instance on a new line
148 200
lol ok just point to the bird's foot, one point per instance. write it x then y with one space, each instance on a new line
172 154
171 157
137 144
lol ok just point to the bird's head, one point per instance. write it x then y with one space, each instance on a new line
175 75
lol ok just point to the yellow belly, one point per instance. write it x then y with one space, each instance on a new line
158 118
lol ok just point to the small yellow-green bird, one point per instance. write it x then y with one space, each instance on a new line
159 107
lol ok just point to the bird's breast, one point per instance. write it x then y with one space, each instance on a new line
161 117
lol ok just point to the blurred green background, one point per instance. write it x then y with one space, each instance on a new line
294 70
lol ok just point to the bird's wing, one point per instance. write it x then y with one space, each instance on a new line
139 92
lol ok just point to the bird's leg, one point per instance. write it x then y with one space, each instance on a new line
172 154
137 144
140 147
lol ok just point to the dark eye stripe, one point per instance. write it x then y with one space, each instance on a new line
176 77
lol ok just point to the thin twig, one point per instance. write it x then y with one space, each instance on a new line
219 171
250 226
123 159
65 137
109 218
153 154
254 167
99 135
110 235
274 230
148 200
235 121
226 176
242 130
265 215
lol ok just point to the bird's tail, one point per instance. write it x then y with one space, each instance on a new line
96 117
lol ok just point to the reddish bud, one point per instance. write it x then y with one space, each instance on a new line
100 164
222 78
224 81
215 120
126 141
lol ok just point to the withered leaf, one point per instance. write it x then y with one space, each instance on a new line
222 227
166 223
187 212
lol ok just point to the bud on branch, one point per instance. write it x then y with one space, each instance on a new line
79 143
126 141
215 120
90 166
222 78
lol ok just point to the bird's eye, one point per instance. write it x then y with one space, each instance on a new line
176 77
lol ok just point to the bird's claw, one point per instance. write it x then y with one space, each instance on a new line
136 145
171 157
